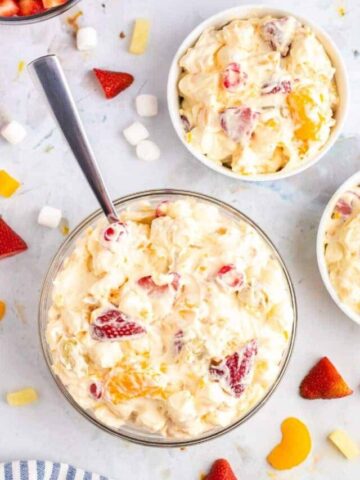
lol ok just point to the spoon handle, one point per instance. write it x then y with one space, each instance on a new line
47 71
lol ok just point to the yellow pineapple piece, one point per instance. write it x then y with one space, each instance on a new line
301 104
345 444
8 184
140 36
21 397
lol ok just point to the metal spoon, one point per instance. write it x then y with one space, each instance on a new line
47 72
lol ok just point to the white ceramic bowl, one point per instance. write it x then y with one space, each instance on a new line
243 12
350 182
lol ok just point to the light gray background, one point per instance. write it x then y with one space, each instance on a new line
288 210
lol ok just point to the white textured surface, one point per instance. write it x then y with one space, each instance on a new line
289 211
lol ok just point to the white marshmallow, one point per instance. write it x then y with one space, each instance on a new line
135 133
86 38
146 105
148 151
13 132
49 217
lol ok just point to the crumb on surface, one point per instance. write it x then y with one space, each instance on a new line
122 35
72 20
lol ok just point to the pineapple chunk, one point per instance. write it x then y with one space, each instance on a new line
21 397
345 444
8 184
140 36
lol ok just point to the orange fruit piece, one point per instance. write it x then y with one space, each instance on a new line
132 384
301 104
2 309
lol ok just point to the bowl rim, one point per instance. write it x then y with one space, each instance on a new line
46 292
39 17
350 182
245 11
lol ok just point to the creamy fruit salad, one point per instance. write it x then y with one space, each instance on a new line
25 8
258 95
342 248
175 319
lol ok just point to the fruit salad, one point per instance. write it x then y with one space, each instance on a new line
342 240
25 8
258 96
175 319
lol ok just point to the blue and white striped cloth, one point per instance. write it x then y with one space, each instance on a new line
40 470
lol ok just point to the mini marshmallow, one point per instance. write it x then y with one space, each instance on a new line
135 133
148 151
146 105
86 38
13 132
49 217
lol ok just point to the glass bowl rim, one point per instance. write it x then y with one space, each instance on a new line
39 17
47 287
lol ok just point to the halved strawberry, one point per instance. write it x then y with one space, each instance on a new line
113 82
30 7
8 8
324 381
10 242
221 470
113 325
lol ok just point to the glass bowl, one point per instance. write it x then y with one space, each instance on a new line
128 432
39 17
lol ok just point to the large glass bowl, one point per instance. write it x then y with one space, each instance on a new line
155 197
39 17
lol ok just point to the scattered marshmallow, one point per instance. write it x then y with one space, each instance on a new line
86 38
49 217
148 151
135 133
13 132
146 105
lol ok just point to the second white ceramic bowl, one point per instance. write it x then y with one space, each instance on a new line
244 12
349 183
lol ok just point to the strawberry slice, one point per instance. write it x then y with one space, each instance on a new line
221 470
239 123
30 7
113 325
147 283
234 370
161 209
229 276
8 8
10 242
279 33
96 390
113 82
343 207
113 233
233 77
324 381
281 86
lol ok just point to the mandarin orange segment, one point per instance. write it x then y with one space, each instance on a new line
133 384
302 107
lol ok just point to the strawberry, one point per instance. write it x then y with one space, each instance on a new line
95 390
113 82
147 283
343 207
233 77
114 233
239 123
113 325
234 370
281 86
30 7
10 242
8 8
161 209
221 470
279 33
324 381
230 277
186 123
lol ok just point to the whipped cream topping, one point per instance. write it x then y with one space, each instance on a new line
174 320
342 248
258 95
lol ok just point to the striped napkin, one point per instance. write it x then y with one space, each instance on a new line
40 470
